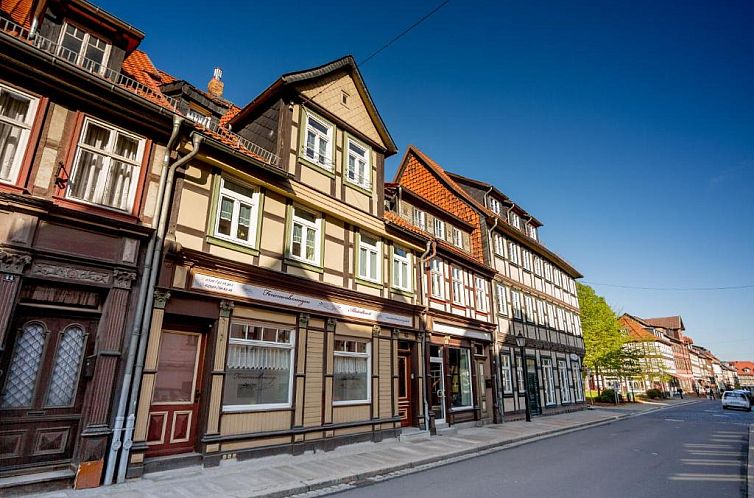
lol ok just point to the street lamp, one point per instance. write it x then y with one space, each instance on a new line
521 342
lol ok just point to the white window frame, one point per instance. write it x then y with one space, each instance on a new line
530 311
81 56
482 298
502 300
549 381
514 254
25 126
370 249
541 319
457 238
505 368
291 345
494 205
368 357
363 179
516 304
548 271
533 232
237 199
400 261
578 381
515 220
526 259
109 156
437 279
420 218
499 245
520 374
329 136
538 266
439 228
306 227
458 295
565 387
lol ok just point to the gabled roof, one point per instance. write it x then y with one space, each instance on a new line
740 365
637 329
347 63
667 322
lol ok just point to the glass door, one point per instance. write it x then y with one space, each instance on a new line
533 384
437 384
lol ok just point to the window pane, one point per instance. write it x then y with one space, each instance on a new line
305 215
310 244
87 175
65 373
318 126
460 377
373 265
10 142
70 45
310 139
350 378
226 216
126 147
257 375
95 52
118 185
296 240
13 106
362 262
176 366
244 222
22 373
96 136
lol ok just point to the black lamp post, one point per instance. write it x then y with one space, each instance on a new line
521 343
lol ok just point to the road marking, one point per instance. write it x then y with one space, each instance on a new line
674 420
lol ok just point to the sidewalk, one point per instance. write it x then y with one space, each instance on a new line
286 475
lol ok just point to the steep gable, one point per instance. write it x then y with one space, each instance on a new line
328 92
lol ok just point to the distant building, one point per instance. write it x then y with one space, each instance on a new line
745 371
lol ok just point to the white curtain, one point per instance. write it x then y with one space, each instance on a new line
350 365
258 358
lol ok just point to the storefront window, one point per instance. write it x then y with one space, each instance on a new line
259 367
351 371
459 367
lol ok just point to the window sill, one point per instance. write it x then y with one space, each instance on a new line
352 403
228 244
357 187
402 292
256 408
302 264
317 167
462 409
369 283
95 209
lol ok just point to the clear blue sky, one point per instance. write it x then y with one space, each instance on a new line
627 129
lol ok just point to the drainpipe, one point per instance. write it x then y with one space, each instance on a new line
431 246
147 317
497 400
136 336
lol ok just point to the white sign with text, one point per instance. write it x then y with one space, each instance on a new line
299 301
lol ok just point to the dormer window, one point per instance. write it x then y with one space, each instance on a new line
83 49
420 219
532 230
439 229
198 117
494 205
457 238
515 220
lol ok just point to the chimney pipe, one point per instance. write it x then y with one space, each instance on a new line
215 85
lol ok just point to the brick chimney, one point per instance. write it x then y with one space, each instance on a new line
215 85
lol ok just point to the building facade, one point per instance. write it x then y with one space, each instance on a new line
745 372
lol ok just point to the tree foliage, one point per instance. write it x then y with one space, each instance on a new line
603 336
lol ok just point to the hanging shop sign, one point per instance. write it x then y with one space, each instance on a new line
295 300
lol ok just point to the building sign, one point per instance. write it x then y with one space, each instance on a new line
293 300
453 330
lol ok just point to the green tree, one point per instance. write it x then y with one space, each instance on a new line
603 335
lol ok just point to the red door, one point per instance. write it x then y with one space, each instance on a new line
405 381
42 390
175 399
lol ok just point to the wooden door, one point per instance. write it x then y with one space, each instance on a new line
175 399
42 390
533 386
405 388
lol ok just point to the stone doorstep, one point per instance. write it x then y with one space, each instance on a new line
27 482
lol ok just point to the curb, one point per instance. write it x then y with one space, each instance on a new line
439 461
750 473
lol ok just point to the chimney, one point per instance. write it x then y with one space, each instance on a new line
215 85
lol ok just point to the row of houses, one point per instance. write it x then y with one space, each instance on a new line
671 361
186 281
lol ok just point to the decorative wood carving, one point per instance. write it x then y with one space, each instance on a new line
161 298
11 262
123 278
70 273
226 308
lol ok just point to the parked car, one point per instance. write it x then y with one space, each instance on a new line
736 399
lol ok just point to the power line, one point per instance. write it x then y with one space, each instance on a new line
730 287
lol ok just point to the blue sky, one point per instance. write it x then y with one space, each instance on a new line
627 128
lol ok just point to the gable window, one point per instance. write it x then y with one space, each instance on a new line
458 288
17 112
565 391
369 258
439 229
83 49
481 294
457 238
516 302
359 167
532 231
351 371
401 269
237 212
502 300
505 368
494 205
305 236
420 218
259 366
436 274
106 166
319 142
549 381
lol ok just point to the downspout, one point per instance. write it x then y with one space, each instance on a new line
147 317
136 335
431 246
497 399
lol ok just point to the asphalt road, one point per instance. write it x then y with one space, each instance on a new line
697 450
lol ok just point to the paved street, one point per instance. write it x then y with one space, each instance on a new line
695 450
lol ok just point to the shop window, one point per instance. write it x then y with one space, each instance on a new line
351 371
459 368
106 167
17 112
259 367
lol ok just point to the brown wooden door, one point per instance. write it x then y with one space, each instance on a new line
405 391
175 399
42 390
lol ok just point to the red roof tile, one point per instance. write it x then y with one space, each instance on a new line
740 365
666 322
19 11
